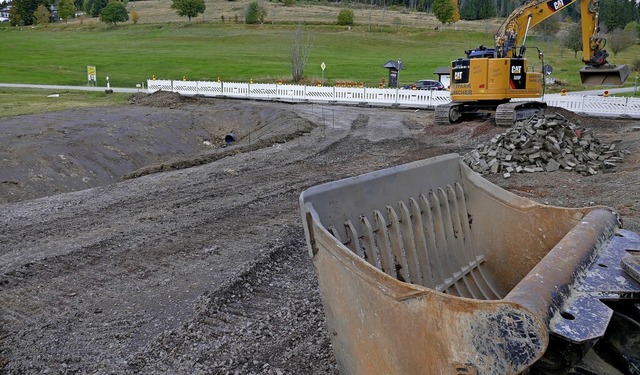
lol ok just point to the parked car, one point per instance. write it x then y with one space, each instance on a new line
4 19
426 84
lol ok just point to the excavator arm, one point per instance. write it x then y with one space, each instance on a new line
513 31
511 37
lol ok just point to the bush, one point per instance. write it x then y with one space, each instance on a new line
345 17
135 17
255 13
635 64
114 12
288 3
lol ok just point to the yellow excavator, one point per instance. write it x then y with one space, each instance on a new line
488 78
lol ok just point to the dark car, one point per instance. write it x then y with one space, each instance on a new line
426 84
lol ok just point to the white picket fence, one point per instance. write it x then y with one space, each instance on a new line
588 105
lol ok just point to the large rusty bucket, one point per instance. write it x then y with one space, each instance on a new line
427 268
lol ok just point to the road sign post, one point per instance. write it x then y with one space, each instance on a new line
323 66
91 75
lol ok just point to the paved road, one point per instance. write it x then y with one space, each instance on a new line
612 91
82 88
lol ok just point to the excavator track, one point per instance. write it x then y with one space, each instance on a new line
508 114
447 114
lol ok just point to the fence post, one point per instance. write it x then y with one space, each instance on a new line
626 105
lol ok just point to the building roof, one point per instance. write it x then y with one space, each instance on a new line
442 71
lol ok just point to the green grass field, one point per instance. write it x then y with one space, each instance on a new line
15 102
131 54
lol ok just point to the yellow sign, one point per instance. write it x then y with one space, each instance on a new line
91 73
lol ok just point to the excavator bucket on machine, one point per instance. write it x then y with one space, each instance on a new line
427 268
605 75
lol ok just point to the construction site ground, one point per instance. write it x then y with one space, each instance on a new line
133 241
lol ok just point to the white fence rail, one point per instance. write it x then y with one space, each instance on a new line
589 105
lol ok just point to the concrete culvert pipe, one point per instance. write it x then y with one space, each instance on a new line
230 138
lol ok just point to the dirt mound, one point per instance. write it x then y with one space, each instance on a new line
84 148
161 99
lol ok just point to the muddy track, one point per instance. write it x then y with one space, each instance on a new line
115 268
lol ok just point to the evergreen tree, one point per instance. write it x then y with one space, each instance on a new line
469 10
477 9
486 9
26 8
93 7
616 14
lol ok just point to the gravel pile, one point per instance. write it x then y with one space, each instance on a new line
544 143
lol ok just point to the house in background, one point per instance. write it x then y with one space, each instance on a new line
5 7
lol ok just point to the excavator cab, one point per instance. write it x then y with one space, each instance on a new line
605 75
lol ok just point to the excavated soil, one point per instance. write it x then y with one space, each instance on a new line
136 240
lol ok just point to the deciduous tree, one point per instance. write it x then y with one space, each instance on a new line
300 49
456 11
66 9
345 17
573 40
619 40
549 27
42 15
188 8
114 12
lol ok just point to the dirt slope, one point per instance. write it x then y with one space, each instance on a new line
204 269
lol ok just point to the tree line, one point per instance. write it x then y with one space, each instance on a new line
614 14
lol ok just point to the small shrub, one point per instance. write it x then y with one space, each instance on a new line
222 18
635 64
288 3
135 17
255 13
345 17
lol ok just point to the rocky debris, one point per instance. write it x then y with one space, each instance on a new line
544 143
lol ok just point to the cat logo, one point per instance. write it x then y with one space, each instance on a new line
516 69
457 76
558 4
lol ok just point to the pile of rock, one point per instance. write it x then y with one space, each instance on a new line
544 143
